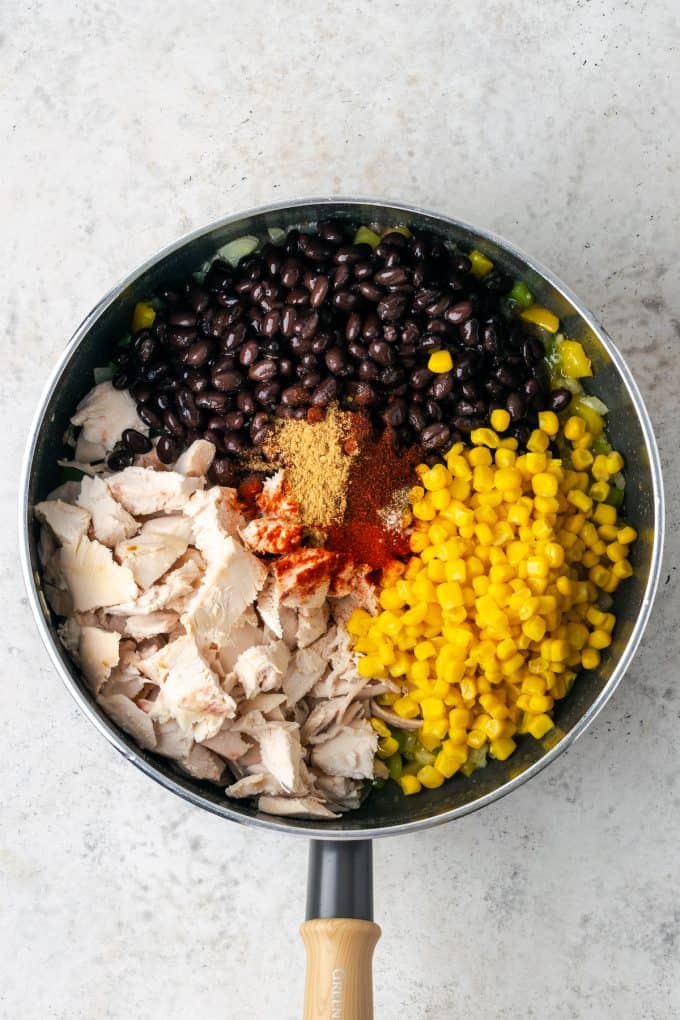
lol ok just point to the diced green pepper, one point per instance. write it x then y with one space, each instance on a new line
410 768
601 445
407 741
422 756
521 294
365 235
106 372
394 766
615 497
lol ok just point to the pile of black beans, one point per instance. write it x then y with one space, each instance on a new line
320 319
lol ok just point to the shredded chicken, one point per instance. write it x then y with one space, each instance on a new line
105 413
212 640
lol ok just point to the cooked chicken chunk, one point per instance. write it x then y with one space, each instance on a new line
216 517
272 536
170 593
144 492
312 623
350 753
190 692
196 459
110 522
94 579
260 668
281 752
68 523
105 413
89 452
294 807
130 718
303 577
229 586
98 653
306 668
147 625
154 550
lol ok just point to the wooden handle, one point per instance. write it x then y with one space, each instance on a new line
339 982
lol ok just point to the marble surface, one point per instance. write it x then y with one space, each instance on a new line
121 129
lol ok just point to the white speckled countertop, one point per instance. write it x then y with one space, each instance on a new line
121 129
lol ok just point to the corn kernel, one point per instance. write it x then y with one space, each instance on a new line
440 362
574 428
590 658
406 708
502 748
409 785
614 462
430 777
626 535
581 459
380 727
599 639
500 419
548 422
539 726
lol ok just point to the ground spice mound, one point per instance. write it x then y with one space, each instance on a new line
317 457
376 477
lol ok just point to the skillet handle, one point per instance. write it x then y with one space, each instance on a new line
339 972
339 933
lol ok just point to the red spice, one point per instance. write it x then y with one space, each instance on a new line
378 471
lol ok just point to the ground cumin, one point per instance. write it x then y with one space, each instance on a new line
317 458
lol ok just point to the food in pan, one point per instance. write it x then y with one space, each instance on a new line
338 512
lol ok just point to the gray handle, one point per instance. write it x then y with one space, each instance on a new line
340 879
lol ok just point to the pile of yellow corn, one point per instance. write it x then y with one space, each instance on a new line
489 621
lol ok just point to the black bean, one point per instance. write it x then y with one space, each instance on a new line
294 395
506 377
182 318
393 277
394 414
434 437
459 312
560 398
433 410
381 352
313 247
271 323
222 471
331 230
325 392
416 417
144 345
360 394
311 380
234 421
371 327
233 442
442 385
516 406
245 402
234 337
467 424
149 417
262 371
357 350
307 325
362 271
188 412
249 353
267 392
347 254
394 239
368 371
290 272
198 353
469 332
167 449
227 381
391 333
464 408
136 441
120 459
341 277
321 342
335 360
390 376
420 378
199 299
391 307
216 423
218 277
344 300
297 296
212 400
353 328
464 367
319 291
172 423
371 292
288 319
490 337
120 381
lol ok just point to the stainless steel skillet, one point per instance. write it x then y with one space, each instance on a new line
339 932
